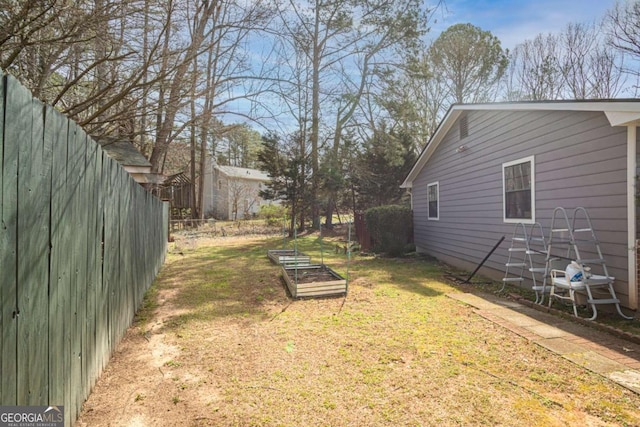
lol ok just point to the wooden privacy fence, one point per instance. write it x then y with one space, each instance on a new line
80 243
362 232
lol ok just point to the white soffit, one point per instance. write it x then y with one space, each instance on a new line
622 118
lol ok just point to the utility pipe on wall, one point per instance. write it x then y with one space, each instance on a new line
631 215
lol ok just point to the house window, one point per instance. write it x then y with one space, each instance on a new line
518 181
433 197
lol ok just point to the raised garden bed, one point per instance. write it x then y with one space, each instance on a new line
316 280
288 257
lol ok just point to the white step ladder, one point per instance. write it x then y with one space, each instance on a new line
527 253
572 237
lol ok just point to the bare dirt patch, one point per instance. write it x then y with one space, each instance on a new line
309 276
220 344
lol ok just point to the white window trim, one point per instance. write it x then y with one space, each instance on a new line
437 217
533 192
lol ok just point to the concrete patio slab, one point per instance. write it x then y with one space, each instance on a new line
474 301
595 362
629 378
560 346
547 331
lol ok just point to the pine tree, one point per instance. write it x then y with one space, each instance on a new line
285 166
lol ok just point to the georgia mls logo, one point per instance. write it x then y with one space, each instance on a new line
31 416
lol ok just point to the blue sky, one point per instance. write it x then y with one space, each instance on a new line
514 21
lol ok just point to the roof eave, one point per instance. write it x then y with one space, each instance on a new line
618 112
444 127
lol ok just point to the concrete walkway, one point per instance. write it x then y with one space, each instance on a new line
614 358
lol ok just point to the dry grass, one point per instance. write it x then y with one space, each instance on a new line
219 343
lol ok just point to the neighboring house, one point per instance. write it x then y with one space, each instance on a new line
236 191
578 153
132 160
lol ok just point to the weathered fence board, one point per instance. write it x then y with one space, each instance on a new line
102 321
62 229
80 242
75 166
93 243
3 261
19 126
8 246
33 239
56 131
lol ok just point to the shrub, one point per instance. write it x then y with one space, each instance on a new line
390 228
272 214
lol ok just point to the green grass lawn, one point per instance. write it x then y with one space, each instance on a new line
395 351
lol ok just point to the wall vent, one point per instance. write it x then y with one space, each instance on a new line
464 126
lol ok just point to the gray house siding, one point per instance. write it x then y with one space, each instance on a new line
579 160
236 186
221 204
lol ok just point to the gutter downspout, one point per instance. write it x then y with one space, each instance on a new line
631 215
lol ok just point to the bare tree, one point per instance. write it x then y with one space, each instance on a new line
243 198
293 80
574 64
534 73
415 99
623 25
229 75
175 95
82 56
589 68
113 64
607 68
342 43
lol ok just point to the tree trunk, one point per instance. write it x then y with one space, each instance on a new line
174 101
145 53
341 121
192 140
315 123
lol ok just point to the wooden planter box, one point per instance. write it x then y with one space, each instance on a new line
288 257
316 280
